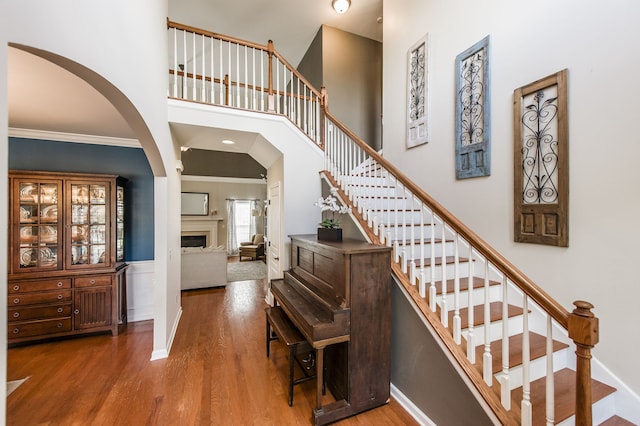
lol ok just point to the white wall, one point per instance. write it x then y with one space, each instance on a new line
4 164
111 44
530 41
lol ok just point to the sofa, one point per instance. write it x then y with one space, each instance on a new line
203 267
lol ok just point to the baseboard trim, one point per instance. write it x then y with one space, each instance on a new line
410 407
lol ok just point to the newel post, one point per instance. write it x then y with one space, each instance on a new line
271 105
324 107
583 330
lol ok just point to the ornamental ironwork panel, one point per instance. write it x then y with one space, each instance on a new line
540 147
417 93
473 124
541 162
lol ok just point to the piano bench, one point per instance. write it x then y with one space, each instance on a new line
280 327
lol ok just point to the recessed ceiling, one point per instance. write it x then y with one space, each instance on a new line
45 97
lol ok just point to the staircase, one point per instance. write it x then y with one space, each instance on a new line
514 342
471 300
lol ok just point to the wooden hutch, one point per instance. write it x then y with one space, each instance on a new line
66 255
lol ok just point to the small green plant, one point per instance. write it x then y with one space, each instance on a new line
330 203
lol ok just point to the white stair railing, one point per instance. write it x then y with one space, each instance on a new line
429 258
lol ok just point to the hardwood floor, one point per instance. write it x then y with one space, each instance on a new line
217 373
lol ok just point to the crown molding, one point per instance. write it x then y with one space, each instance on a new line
72 137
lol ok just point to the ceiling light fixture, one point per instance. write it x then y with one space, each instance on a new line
341 6
228 142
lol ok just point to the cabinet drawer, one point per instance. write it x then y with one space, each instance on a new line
36 298
35 328
93 281
39 312
39 285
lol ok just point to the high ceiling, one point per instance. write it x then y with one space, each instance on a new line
44 97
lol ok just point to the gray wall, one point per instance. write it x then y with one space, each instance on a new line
351 71
421 371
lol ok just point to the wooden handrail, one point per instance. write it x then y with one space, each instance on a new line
199 31
557 311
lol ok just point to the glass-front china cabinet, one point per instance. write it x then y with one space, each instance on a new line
67 273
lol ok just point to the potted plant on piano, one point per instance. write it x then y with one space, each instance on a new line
330 229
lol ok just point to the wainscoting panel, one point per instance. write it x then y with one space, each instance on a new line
140 290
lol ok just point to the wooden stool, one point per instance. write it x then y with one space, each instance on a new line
279 327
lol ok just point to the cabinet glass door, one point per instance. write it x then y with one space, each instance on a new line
89 220
119 224
38 225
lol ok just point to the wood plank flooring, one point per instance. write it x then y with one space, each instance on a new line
217 373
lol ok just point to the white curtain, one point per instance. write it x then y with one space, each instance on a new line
255 216
232 241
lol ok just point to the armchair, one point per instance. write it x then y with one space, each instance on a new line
254 248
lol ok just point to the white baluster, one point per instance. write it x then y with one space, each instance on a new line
432 286
212 98
175 63
444 309
471 346
457 327
422 290
525 405
487 358
221 78
195 69
503 379
550 385
203 90
184 64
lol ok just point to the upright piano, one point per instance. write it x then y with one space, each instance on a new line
338 295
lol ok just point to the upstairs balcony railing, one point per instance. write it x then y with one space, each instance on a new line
219 70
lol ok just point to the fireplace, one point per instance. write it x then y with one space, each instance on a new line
193 241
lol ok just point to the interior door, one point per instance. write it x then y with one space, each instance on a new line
274 235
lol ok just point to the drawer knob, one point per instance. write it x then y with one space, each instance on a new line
16 330
77 311
16 300
92 282
60 310
59 325
60 297
16 314
16 287
59 284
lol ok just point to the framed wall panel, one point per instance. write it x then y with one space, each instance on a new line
541 162
417 93
473 118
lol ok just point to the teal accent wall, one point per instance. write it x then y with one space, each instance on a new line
130 163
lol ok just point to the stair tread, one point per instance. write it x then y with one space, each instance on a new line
617 421
495 313
537 349
478 282
565 395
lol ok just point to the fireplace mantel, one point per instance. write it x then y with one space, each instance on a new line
201 225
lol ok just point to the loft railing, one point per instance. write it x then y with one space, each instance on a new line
215 69
219 70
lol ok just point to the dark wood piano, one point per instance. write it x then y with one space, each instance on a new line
338 295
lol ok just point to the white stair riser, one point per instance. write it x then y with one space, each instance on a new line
395 233
401 218
495 330
375 191
495 293
416 252
359 181
537 368
600 411
463 271
386 204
